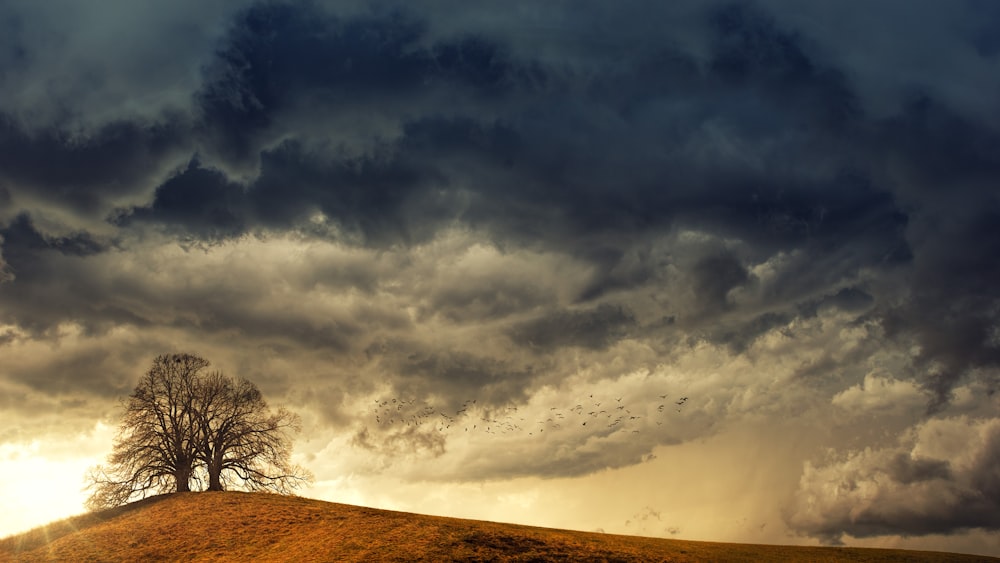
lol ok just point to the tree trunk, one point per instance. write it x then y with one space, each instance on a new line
215 474
183 478
215 481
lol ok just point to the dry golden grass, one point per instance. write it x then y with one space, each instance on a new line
262 527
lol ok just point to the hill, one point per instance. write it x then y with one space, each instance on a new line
234 526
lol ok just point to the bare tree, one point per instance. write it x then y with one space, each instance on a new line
242 442
180 424
155 450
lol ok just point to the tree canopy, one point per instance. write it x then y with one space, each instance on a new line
183 425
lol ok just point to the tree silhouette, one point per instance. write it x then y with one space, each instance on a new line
240 440
180 425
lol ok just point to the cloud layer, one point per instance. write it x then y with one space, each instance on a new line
942 479
733 202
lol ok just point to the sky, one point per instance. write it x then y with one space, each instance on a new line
704 270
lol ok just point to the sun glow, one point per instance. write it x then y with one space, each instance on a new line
47 478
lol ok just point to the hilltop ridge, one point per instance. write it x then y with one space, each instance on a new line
233 526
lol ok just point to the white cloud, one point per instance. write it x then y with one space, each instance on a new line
941 478
881 392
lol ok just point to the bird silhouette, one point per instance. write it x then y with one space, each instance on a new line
414 413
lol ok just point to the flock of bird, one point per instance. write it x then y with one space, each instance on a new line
608 413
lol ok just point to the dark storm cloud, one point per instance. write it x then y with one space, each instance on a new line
534 168
539 155
751 49
279 56
850 299
950 172
984 37
537 158
24 245
371 195
277 53
83 170
596 328
366 196
200 201
13 52
738 338
34 297
714 277
760 137
27 254
457 374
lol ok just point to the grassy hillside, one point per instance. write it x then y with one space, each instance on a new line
261 527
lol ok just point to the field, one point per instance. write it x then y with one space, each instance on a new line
234 526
